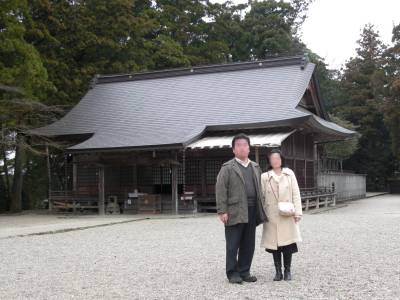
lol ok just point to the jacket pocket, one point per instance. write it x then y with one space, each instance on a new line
233 201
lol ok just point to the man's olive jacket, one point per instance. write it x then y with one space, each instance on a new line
231 194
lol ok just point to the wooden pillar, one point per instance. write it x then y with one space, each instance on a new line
65 172
305 160
74 183
257 154
174 185
184 171
305 173
74 174
316 165
101 190
49 178
203 177
294 165
135 183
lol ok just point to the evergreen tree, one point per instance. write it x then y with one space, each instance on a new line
77 39
23 80
363 82
392 104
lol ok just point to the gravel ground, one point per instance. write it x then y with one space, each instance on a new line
347 253
31 223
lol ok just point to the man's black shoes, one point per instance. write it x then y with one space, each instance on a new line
235 279
249 278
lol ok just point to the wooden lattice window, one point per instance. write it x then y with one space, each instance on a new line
212 169
309 147
299 145
300 169
166 175
287 146
162 175
145 175
126 175
192 170
87 175
264 164
289 163
180 174
156 175
310 174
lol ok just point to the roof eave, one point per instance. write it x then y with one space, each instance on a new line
330 133
319 96
258 125
175 146
242 126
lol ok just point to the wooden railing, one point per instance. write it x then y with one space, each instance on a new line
72 200
310 198
78 201
317 197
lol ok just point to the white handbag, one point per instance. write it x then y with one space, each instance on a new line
286 208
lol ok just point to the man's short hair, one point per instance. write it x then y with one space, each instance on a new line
240 136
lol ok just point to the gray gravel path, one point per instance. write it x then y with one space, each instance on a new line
347 253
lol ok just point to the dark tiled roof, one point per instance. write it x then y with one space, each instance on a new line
174 107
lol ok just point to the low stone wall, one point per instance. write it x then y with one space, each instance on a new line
348 186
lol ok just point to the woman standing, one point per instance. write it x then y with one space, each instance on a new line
281 232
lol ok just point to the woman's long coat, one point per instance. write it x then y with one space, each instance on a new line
280 230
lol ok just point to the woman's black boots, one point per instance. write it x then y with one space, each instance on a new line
278 265
287 260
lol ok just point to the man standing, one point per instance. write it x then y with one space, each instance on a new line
239 207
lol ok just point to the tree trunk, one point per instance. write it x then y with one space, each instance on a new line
6 181
16 197
5 169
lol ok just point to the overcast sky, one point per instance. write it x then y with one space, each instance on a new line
333 26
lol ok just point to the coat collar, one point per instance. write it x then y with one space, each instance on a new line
285 171
242 162
233 162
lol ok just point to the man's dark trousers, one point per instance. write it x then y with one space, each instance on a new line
240 238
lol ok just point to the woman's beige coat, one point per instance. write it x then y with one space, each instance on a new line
280 230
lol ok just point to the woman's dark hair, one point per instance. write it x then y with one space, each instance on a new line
240 136
280 154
